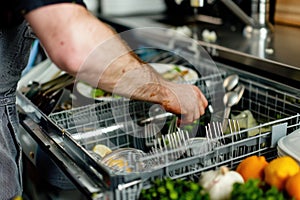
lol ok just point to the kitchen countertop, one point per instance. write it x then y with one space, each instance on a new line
276 57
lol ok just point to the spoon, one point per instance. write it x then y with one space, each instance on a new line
230 82
240 90
230 99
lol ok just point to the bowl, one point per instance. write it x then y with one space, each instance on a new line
125 160
198 145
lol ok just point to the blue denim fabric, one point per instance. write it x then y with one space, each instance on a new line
15 43
15 46
51 172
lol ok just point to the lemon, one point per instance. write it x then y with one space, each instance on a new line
101 149
279 170
120 164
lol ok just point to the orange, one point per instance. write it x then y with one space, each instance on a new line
279 170
252 167
292 186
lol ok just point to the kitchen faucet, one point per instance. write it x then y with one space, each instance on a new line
257 22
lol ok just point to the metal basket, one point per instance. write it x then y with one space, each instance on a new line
274 110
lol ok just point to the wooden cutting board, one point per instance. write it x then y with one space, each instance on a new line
288 12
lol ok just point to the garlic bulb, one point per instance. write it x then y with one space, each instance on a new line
219 183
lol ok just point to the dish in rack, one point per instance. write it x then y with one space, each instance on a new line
170 72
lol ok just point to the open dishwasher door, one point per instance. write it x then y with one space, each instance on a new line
43 141
140 153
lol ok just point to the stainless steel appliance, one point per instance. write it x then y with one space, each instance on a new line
68 137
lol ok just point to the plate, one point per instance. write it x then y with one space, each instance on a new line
175 73
171 72
86 90
289 145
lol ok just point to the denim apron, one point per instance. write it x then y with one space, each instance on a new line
15 43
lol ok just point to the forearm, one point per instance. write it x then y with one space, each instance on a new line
84 46
68 32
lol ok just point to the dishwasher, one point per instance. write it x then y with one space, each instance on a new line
138 156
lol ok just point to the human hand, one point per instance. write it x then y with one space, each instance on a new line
185 100
145 84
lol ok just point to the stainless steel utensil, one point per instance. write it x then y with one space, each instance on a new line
36 88
156 117
240 90
230 82
48 99
230 99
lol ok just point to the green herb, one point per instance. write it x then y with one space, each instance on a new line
169 189
95 93
278 116
176 68
254 189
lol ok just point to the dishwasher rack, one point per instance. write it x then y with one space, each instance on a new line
115 124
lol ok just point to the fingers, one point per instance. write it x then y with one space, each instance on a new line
195 108
202 101
187 101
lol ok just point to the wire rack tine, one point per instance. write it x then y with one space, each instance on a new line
234 128
231 130
148 136
155 145
159 143
173 125
170 145
208 137
220 130
217 133
163 142
180 141
151 134
175 144
186 138
238 130
213 134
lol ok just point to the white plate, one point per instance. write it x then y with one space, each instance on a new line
86 90
190 77
289 145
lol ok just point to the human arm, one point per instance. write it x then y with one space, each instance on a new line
85 47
